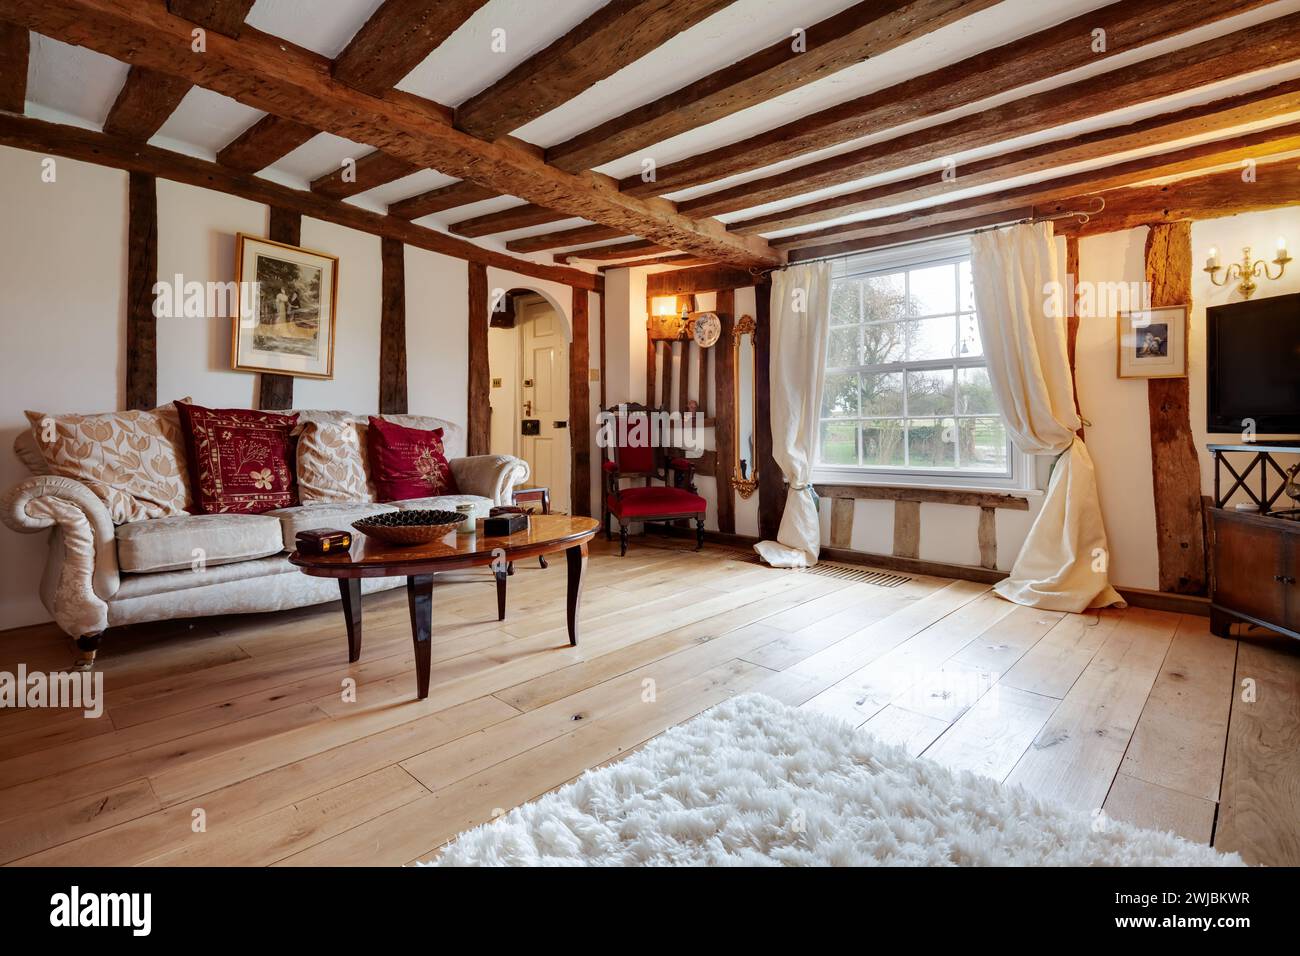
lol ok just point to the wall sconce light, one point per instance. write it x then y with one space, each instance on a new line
1247 270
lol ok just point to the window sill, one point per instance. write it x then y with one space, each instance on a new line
1016 499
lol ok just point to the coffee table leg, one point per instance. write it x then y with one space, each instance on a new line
419 597
350 589
577 556
501 593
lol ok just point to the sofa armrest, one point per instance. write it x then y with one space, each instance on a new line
491 476
81 573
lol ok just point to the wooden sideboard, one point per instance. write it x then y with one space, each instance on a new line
1254 569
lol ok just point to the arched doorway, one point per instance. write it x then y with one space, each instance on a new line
528 367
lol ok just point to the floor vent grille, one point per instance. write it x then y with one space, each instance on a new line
849 572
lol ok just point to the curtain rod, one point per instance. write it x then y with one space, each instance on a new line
1084 218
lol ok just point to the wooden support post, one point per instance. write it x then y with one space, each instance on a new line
702 355
600 304
842 522
684 376
1072 319
579 409
907 529
1176 473
478 431
724 401
392 330
988 538
651 350
276 391
771 483
666 399
141 275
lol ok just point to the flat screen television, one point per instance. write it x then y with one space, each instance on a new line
1253 365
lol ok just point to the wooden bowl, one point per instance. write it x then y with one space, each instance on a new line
406 528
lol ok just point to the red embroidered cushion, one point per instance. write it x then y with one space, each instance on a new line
407 462
240 460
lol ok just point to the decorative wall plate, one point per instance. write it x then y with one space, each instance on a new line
708 328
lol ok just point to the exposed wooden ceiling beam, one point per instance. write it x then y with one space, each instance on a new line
266 74
460 193
851 36
618 250
269 139
1214 117
148 97
120 153
516 217
397 38
562 238
1129 24
1188 160
15 47
617 34
712 278
1236 54
371 170
680 260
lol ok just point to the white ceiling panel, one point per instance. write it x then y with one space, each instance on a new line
316 157
70 84
204 122
324 28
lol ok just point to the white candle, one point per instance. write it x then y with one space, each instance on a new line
1281 246
1213 261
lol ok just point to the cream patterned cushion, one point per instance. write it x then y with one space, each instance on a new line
133 461
196 541
332 464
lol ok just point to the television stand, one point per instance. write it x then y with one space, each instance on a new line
1254 555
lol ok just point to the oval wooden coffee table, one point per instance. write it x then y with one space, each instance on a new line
369 558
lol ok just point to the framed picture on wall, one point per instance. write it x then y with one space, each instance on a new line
284 320
1152 343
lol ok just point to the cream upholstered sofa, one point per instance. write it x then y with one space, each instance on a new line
100 575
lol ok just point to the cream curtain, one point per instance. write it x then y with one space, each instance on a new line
1062 566
801 300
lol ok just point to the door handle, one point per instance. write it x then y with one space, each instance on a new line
528 408
559 424
1283 579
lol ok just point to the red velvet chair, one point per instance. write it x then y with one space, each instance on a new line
675 500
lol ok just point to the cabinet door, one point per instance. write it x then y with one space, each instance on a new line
1291 572
1248 559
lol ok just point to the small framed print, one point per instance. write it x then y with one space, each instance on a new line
285 319
1152 343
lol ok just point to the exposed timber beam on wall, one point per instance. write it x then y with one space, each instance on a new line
392 330
1072 320
724 431
141 275
89 146
478 430
276 391
771 483
580 408
1175 469
850 36
15 48
1129 24
617 34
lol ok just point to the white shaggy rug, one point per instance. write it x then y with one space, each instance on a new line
753 782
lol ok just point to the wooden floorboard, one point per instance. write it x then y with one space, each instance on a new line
250 724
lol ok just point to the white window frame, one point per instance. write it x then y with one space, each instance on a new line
1022 468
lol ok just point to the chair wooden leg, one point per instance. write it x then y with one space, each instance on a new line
622 539
699 534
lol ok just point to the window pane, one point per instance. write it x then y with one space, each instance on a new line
967 287
983 444
975 393
971 345
840 397
844 302
842 349
884 298
930 338
930 392
882 393
929 443
883 344
839 443
933 290
882 444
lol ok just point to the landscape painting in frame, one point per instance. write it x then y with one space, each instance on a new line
285 321
1152 343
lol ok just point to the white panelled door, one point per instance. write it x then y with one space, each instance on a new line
545 357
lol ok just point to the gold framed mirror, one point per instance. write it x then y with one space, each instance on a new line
744 475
